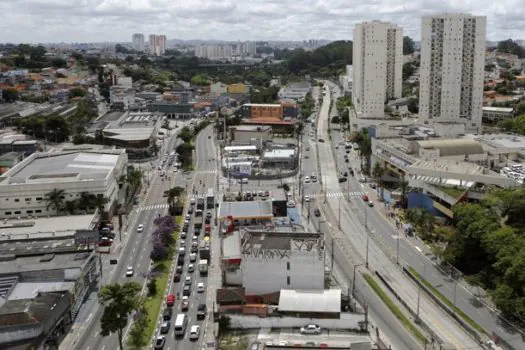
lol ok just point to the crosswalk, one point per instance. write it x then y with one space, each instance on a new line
153 207
337 194
214 171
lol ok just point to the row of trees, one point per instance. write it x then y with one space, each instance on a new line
56 200
185 149
487 243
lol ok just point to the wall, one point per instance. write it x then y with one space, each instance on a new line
421 200
246 136
273 112
267 275
233 277
347 321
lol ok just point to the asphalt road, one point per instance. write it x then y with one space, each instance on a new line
135 252
203 178
351 220
416 254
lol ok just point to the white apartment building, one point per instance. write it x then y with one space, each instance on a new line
452 69
138 41
23 188
246 48
214 52
157 44
265 262
377 67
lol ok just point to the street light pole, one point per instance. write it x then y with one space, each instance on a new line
397 250
419 294
367 235
339 218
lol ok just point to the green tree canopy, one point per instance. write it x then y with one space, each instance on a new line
510 46
119 301
408 45
199 80
10 94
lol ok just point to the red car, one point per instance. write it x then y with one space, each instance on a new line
365 198
170 300
207 229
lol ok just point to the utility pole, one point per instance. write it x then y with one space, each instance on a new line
419 295
397 250
367 234
339 217
308 214
332 260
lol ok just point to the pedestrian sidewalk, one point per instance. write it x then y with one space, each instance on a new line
214 282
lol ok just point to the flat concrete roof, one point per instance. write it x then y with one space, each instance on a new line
43 262
252 127
231 246
328 300
129 133
240 148
48 166
246 209
29 290
41 228
498 109
280 240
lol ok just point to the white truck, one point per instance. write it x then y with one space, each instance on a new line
203 267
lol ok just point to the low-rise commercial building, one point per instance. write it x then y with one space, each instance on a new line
24 187
250 134
133 130
265 262
295 91
173 110
495 114
269 114
283 158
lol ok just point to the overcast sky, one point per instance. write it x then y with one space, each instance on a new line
35 21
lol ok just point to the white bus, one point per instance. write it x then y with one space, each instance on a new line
210 199
180 324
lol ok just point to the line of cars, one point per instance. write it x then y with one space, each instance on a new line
181 318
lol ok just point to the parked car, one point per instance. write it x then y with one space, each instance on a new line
311 329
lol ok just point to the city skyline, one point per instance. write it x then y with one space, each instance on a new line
44 21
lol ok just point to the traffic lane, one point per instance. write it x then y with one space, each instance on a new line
141 263
397 334
93 328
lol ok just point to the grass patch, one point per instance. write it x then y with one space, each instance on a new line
394 309
455 191
446 301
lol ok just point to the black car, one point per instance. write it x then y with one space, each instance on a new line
186 291
317 212
347 160
321 140
201 312
165 327
180 259
190 210
166 314
345 174
352 172
343 179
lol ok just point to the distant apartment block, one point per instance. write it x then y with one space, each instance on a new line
452 69
138 41
377 67
226 51
157 44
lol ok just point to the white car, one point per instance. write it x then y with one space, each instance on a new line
140 228
290 204
195 332
191 268
307 198
306 179
193 257
311 329
200 287
208 214
129 271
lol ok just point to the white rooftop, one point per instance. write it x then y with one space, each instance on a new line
240 148
326 300
280 153
29 290
40 228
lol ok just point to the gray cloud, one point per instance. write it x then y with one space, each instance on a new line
116 20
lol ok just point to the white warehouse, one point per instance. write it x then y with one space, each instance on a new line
24 187
265 262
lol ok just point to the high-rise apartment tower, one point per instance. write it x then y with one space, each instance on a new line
452 69
377 67
138 41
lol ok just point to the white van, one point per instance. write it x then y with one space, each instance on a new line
180 324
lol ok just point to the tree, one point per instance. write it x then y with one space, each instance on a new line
345 117
77 92
134 179
174 195
119 301
336 119
58 63
408 45
159 252
365 149
413 105
403 187
55 199
199 80
185 134
512 47
408 69
152 287
10 94
185 151
378 173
